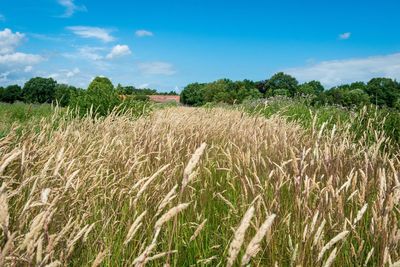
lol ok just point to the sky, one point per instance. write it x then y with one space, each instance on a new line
168 44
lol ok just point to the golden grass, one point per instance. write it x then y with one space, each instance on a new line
173 188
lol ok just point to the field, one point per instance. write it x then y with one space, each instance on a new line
198 187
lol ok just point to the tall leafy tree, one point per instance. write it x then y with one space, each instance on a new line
282 81
39 90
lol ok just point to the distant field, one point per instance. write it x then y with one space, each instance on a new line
197 187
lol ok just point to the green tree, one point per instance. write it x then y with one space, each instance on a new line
281 81
39 90
100 96
63 93
310 88
11 93
193 94
383 92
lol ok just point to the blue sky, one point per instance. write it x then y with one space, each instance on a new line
168 44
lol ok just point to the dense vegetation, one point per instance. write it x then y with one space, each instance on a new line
382 92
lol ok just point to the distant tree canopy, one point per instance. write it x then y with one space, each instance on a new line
11 94
379 91
39 90
223 90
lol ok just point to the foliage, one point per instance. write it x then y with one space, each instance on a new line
39 90
100 97
221 91
10 94
280 83
63 94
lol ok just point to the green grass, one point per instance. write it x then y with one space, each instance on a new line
20 114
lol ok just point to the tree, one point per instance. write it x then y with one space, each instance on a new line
63 93
39 90
383 92
310 88
193 94
100 95
11 93
282 81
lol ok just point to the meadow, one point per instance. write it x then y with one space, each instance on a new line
209 186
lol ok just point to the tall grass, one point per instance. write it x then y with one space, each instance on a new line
199 187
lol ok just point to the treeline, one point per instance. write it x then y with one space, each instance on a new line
46 90
378 91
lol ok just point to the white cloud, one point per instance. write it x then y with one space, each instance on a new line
92 32
143 86
9 41
4 77
91 53
155 68
335 72
20 59
345 36
119 51
28 69
143 33
70 8
73 72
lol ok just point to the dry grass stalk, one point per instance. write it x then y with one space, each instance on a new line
332 242
99 258
134 227
238 237
194 160
255 244
331 258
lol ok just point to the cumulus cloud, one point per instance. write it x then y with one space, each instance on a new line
335 72
70 8
20 59
345 36
156 68
92 32
9 41
119 51
143 33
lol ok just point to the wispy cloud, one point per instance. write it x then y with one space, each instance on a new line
156 68
143 33
335 72
70 8
345 36
119 51
92 32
